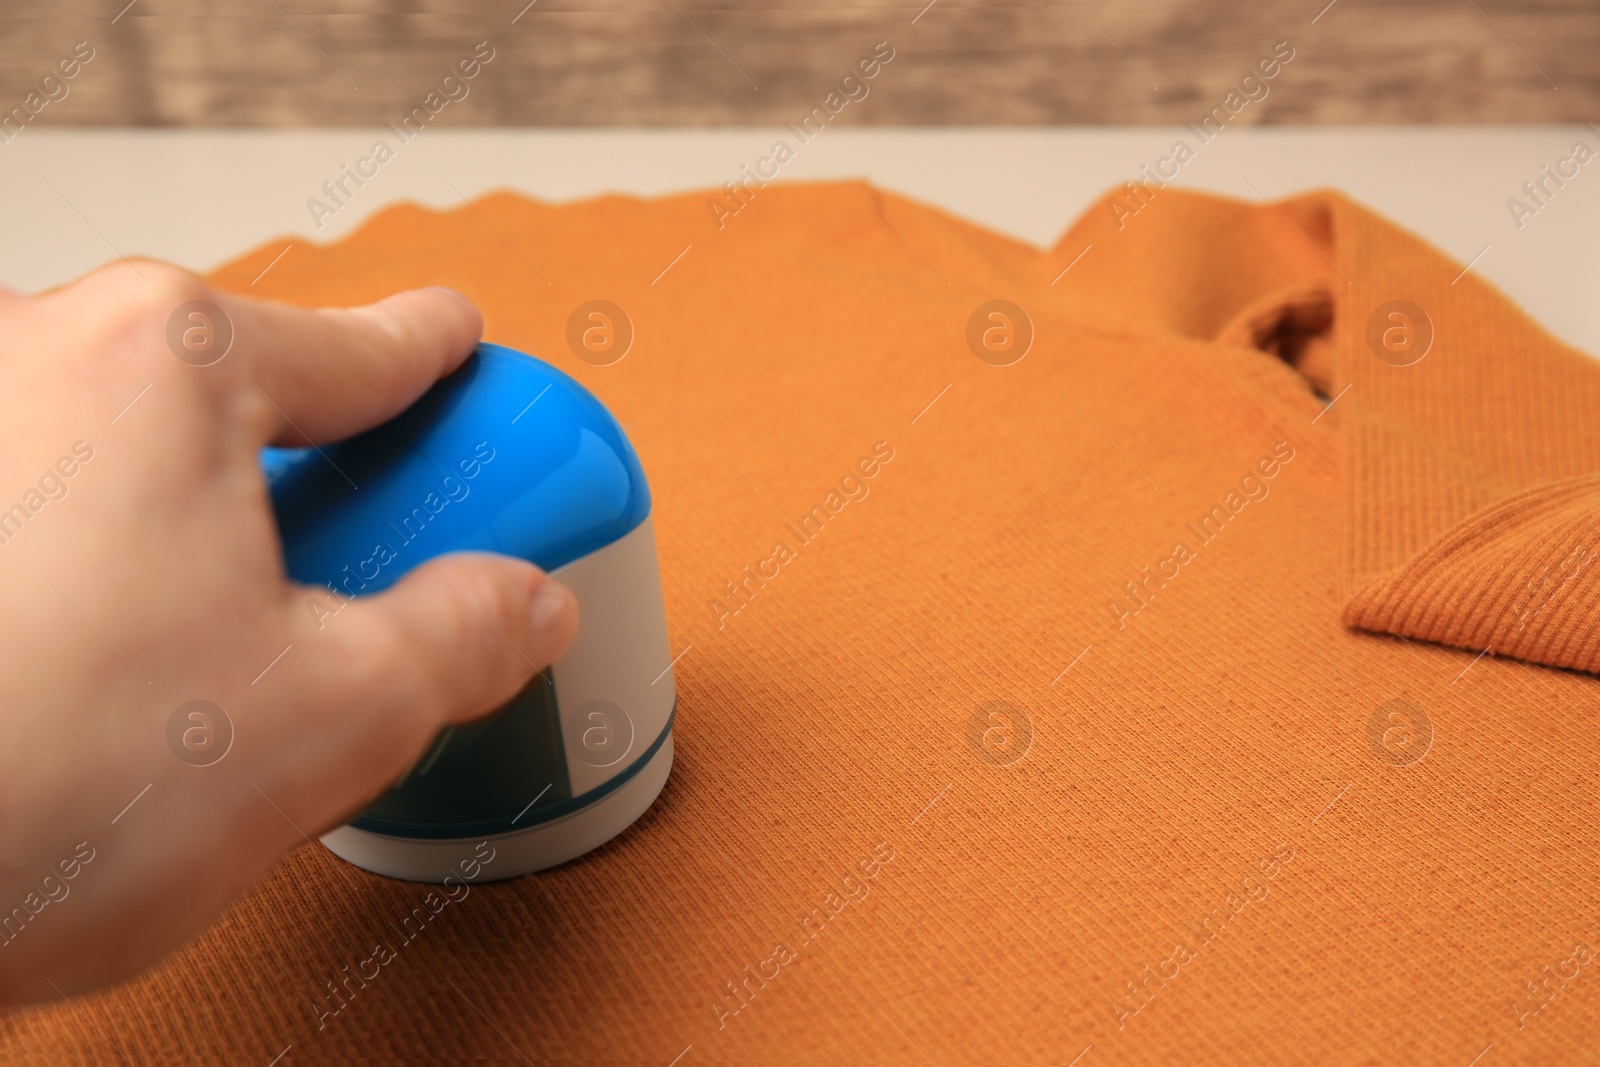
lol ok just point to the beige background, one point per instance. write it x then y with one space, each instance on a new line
740 62
75 199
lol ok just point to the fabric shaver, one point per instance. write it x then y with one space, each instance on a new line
509 455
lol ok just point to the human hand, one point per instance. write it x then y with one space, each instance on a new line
140 569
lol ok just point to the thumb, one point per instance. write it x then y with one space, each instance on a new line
459 636
451 641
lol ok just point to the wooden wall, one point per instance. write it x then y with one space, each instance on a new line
740 62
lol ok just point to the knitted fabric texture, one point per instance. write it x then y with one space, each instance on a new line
1201 674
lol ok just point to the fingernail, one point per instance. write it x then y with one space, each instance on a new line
447 291
550 600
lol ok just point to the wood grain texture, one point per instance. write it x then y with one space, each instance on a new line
739 62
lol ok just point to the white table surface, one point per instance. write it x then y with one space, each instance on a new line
74 199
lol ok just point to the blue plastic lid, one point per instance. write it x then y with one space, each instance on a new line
507 454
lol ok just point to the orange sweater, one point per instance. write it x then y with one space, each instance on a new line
1125 703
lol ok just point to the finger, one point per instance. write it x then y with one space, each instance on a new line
451 641
332 372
